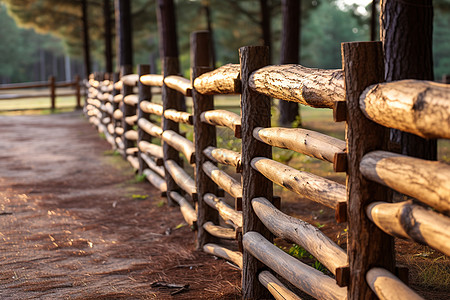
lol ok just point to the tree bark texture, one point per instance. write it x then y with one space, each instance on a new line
86 49
127 110
145 93
123 18
367 244
255 112
406 32
108 36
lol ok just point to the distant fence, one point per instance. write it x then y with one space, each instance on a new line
51 84
126 115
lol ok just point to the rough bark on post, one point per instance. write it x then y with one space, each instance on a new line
127 110
108 35
255 112
367 245
51 82
86 50
115 105
145 93
124 31
77 91
204 135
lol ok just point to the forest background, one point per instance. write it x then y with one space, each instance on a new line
43 38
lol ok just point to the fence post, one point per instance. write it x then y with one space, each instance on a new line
51 82
204 134
368 246
255 112
145 93
127 110
115 92
77 91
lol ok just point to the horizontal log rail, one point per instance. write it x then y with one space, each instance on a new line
220 231
388 287
118 114
302 233
233 256
304 141
153 165
130 79
118 98
225 211
179 116
180 143
131 135
150 128
119 130
134 162
25 85
151 149
131 99
304 277
223 180
418 107
131 151
410 221
180 84
119 143
118 85
313 87
188 212
278 290
310 186
155 180
151 108
182 179
223 80
224 156
131 120
152 80
223 118
427 181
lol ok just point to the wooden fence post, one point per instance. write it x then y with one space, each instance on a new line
51 82
115 92
368 246
204 134
77 91
127 110
145 93
255 112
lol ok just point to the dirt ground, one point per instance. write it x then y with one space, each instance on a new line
70 227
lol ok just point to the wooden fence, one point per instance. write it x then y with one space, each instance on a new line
51 84
123 110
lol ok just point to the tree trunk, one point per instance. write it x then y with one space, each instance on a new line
406 32
86 50
108 36
266 26
290 54
206 7
124 31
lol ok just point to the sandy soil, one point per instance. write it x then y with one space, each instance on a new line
71 229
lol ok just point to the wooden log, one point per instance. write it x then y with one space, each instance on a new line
132 151
233 256
180 84
224 80
133 161
180 143
152 79
278 290
115 105
410 221
256 112
204 134
111 129
222 179
118 85
181 178
131 135
119 143
178 116
367 246
302 233
151 108
418 107
152 165
219 231
424 180
225 211
308 86
223 118
130 79
131 120
127 110
224 156
119 130
313 187
301 140
118 114
150 128
188 212
131 99
118 98
145 93
151 149
155 180
306 278
388 287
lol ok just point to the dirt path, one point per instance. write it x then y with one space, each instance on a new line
71 229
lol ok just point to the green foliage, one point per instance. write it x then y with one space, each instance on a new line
298 252
139 178
160 203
